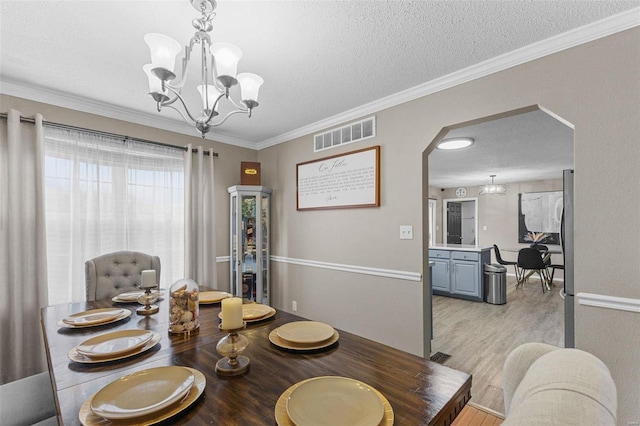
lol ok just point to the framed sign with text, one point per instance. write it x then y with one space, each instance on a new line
341 181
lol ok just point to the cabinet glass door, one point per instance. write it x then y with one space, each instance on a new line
250 243
249 247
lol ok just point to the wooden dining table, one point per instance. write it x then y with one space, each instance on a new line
419 391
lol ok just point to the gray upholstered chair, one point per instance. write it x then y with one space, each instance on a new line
28 401
114 273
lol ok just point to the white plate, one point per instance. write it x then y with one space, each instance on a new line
132 296
305 331
75 356
207 297
114 343
92 317
89 418
125 313
142 393
333 400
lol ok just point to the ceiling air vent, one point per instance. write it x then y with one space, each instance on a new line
354 132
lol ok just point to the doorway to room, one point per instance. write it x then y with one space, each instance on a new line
478 336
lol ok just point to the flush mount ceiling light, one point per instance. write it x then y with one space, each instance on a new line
218 66
455 143
493 189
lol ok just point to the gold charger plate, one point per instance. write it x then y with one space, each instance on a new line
208 297
282 418
125 313
251 313
278 341
143 393
89 418
132 296
335 400
115 343
305 332
75 356
92 317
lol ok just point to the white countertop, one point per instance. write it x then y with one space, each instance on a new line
461 247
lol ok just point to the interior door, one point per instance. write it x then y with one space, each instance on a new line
454 223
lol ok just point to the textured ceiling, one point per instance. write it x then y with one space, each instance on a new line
318 58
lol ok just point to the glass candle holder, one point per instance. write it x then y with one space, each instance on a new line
147 299
231 347
184 307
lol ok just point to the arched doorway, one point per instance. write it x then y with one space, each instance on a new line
519 147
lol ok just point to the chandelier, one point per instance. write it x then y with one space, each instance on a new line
493 189
219 65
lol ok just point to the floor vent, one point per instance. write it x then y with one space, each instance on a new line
354 132
440 357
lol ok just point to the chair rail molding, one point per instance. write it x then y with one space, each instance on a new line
609 302
379 272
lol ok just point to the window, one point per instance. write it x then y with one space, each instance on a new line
104 194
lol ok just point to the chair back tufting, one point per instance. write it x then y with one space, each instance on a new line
113 273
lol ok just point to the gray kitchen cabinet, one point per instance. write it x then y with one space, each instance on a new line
458 273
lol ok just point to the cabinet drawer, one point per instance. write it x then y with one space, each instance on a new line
439 254
465 255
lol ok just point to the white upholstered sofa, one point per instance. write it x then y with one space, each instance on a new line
546 385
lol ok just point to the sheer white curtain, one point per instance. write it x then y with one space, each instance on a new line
103 195
200 231
23 257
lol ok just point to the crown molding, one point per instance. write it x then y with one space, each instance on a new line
569 39
79 103
596 30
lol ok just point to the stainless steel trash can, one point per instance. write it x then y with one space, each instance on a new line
495 284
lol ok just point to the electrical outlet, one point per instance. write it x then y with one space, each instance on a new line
406 232
294 305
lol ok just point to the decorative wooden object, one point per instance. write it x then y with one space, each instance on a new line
250 173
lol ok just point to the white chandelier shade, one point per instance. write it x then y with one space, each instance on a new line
209 96
493 189
155 84
219 72
163 50
227 57
250 86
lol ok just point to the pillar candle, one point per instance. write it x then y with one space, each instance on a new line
148 279
232 313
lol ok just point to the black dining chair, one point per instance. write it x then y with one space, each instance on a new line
530 259
501 261
544 250
553 267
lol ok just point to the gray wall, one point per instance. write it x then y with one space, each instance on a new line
594 87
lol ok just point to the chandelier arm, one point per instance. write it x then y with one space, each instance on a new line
188 118
227 116
240 107
178 97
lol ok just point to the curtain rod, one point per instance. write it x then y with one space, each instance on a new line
98 132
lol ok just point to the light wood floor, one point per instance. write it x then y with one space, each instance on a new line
479 336
472 415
